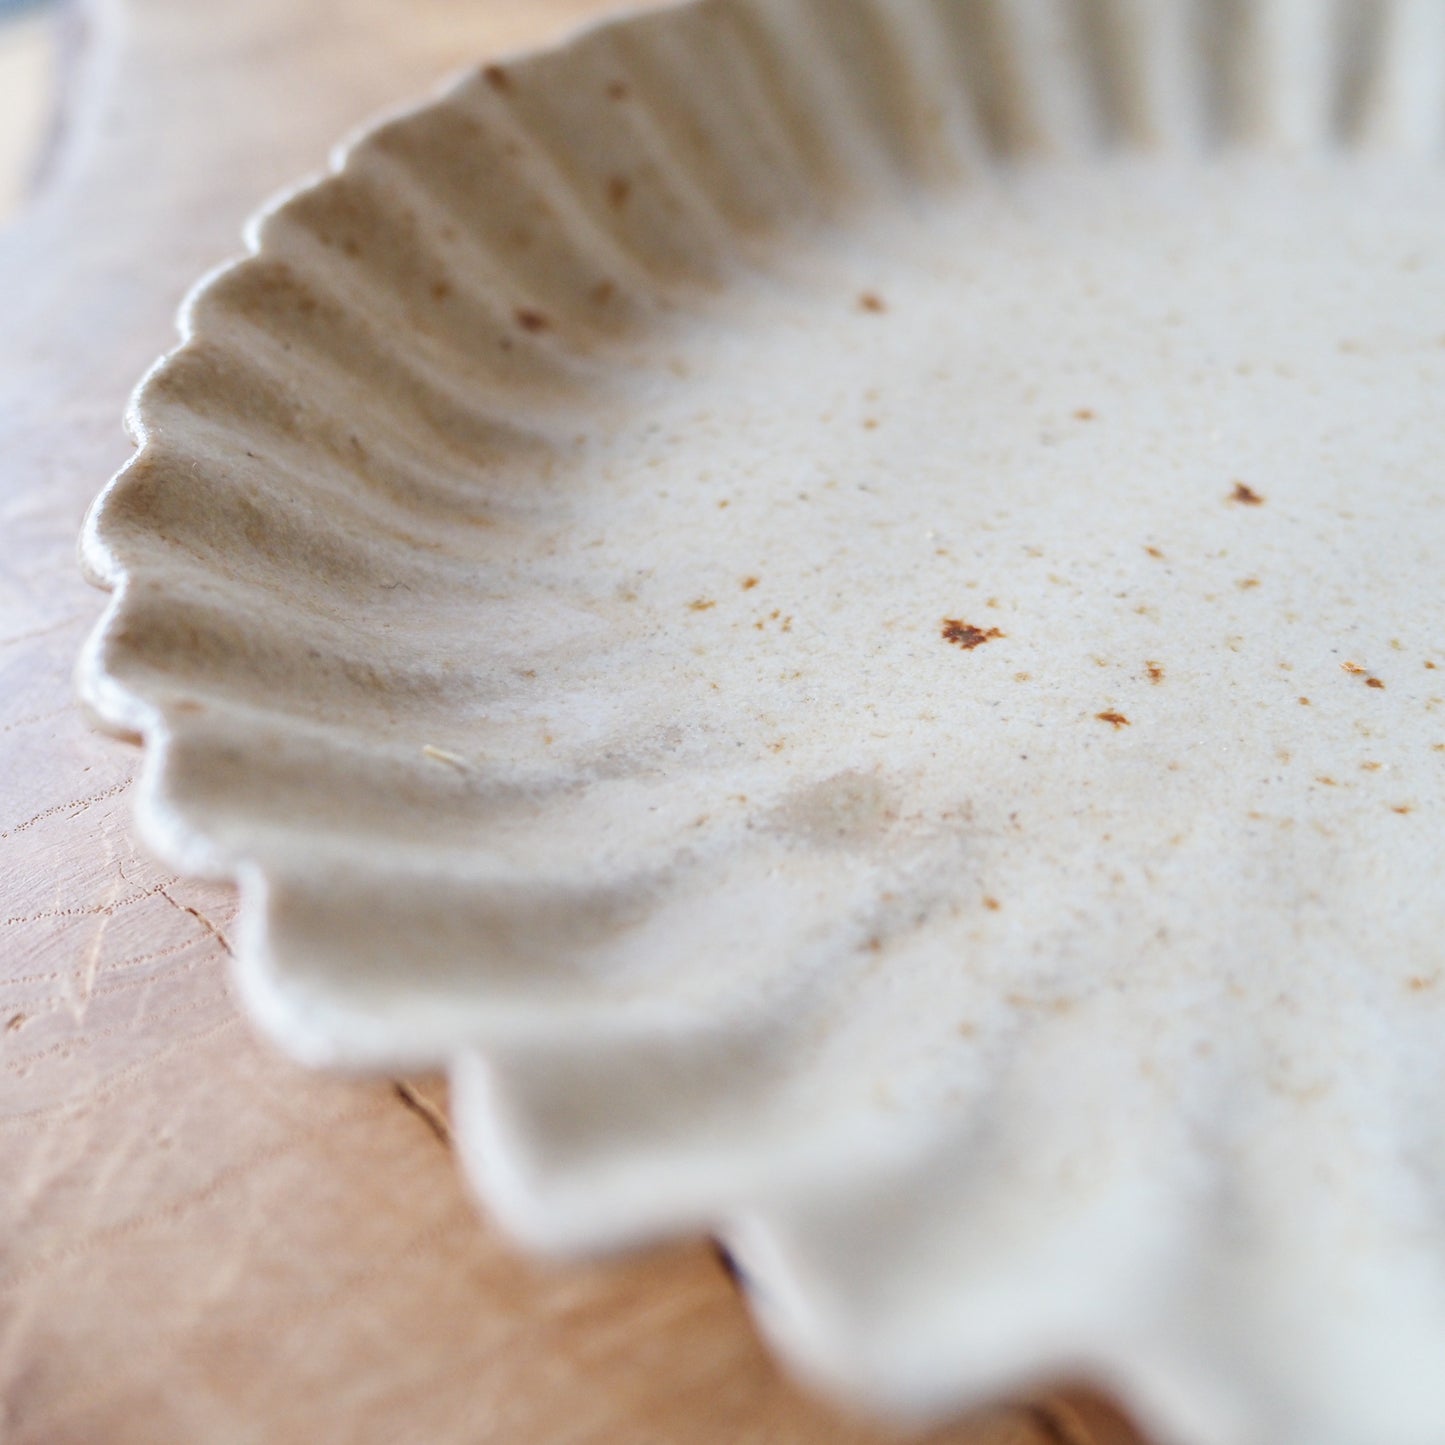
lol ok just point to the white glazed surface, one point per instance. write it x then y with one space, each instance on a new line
836 607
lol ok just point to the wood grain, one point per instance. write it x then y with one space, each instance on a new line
197 1240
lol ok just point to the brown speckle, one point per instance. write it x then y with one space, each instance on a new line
1245 496
992 904
1416 984
1155 672
1304 702
870 423
1402 808
1246 584
1430 667
1326 780
1023 677
1155 552
965 634
1371 767
530 320
701 604
872 301
1353 668
1085 413
351 246
1374 682
1114 719
619 188
441 290
618 90
603 292
749 583
723 505
497 78
14 1022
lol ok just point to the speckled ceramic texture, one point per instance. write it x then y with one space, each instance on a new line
837 607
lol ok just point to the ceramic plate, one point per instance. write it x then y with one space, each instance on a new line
837 608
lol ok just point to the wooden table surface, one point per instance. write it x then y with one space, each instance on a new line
198 1241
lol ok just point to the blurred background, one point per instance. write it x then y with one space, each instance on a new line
30 43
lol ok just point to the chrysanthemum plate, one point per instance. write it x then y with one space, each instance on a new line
837 607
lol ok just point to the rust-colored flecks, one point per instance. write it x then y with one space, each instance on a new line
871 301
1246 496
1355 670
1155 671
965 634
530 320
497 78
1114 719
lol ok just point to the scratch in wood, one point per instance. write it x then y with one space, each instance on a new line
201 919
92 953
424 1109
